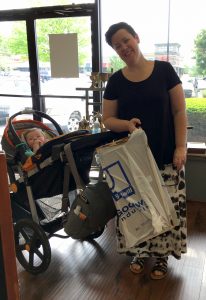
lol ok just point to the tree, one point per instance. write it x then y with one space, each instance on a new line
200 52
64 25
17 43
116 63
4 58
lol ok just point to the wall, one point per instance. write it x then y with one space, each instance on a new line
196 178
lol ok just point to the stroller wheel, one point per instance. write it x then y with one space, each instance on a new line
33 250
95 235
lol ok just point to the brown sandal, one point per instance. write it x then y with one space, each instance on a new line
139 262
159 271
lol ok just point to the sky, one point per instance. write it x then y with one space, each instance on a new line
149 18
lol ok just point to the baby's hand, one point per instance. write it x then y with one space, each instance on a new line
37 144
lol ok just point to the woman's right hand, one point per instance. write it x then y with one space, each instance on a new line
133 124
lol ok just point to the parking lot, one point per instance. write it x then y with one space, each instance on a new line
67 112
193 87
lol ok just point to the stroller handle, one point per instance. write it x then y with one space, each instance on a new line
34 112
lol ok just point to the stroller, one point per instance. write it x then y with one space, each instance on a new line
42 187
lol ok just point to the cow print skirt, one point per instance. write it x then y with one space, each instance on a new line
173 242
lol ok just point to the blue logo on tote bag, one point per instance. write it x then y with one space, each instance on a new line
126 189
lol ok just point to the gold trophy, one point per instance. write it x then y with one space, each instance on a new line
95 80
103 78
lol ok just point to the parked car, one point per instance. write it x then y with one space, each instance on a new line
67 117
15 84
67 112
44 75
59 117
188 88
201 87
4 114
201 84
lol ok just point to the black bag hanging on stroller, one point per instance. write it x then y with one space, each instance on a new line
87 215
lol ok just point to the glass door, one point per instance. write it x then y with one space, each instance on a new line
62 101
15 85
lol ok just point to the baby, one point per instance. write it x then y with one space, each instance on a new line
35 138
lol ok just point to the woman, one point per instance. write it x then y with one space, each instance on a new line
149 94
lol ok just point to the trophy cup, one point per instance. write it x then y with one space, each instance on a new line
104 78
95 80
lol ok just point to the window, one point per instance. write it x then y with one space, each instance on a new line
13 4
58 93
167 30
165 25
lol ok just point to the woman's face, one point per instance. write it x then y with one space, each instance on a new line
126 45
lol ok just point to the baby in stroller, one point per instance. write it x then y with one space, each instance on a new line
42 186
35 138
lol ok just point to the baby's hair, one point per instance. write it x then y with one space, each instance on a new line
31 130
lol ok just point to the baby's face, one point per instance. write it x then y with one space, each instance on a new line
34 137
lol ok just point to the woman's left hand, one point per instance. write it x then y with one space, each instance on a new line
180 157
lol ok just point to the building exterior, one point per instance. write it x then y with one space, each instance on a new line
170 52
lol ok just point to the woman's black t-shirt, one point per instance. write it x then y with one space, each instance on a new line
149 101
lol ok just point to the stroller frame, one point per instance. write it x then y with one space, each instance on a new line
74 151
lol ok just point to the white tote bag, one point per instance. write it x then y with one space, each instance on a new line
143 204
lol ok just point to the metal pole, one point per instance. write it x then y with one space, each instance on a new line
168 32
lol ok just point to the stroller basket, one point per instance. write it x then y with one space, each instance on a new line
51 207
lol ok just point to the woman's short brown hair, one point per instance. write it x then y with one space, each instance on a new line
114 28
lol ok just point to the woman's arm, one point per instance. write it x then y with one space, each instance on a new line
111 120
180 122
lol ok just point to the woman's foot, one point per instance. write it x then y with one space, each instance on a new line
159 270
137 265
